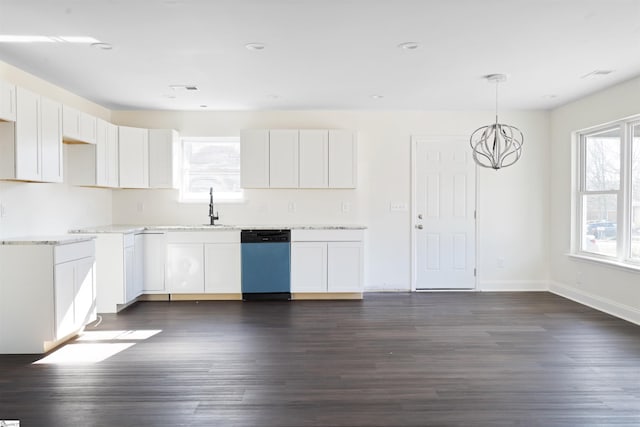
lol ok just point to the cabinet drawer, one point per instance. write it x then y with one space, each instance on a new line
327 235
72 251
213 236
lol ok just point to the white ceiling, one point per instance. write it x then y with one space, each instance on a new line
327 54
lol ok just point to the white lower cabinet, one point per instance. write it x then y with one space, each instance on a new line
155 255
119 270
327 261
185 269
57 284
222 269
203 262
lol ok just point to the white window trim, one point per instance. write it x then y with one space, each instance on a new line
624 196
219 198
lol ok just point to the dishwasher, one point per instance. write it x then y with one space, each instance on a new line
266 264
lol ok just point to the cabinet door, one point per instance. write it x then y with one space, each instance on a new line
138 266
70 123
101 158
7 101
155 250
112 156
51 140
222 269
87 128
63 299
27 149
129 273
283 159
342 159
185 272
254 158
84 305
345 266
314 155
134 157
308 267
162 146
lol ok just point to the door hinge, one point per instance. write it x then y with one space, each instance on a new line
475 272
475 214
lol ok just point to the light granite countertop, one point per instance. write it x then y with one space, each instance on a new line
46 240
124 229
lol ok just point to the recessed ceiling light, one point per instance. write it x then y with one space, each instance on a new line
273 96
596 73
101 46
409 46
79 39
203 106
550 96
377 96
255 46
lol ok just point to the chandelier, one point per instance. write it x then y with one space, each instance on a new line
496 145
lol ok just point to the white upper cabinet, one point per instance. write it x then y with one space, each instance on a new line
163 146
314 156
254 158
31 148
7 101
51 140
283 158
291 158
79 126
133 157
94 165
343 157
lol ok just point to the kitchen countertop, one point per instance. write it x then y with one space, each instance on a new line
45 240
203 227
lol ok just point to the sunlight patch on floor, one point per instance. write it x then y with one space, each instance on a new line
85 353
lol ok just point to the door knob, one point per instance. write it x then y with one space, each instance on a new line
419 216
419 227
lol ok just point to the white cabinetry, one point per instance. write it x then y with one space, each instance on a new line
31 148
48 294
342 159
314 156
203 262
133 157
78 126
94 165
291 158
327 261
155 254
283 158
163 167
119 265
254 158
7 101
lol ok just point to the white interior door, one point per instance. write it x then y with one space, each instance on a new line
444 199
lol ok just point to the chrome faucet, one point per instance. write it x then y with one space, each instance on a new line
212 216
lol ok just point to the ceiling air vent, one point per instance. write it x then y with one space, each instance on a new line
596 73
184 87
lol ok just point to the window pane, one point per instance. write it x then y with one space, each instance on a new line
635 191
599 227
602 161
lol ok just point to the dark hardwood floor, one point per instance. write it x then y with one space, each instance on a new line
430 359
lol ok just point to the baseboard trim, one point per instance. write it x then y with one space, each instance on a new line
326 296
513 285
599 303
206 297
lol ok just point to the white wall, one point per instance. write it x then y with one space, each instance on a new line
605 287
49 209
512 203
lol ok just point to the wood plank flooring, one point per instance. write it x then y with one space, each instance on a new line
428 359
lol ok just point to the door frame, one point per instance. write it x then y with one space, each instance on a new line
412 222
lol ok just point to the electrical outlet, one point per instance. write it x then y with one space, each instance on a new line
398 207
500 262
292 207
3 210
140 207
346 207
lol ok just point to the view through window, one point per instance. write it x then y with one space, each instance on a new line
210 163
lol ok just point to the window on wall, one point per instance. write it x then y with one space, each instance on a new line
210 163
608 192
